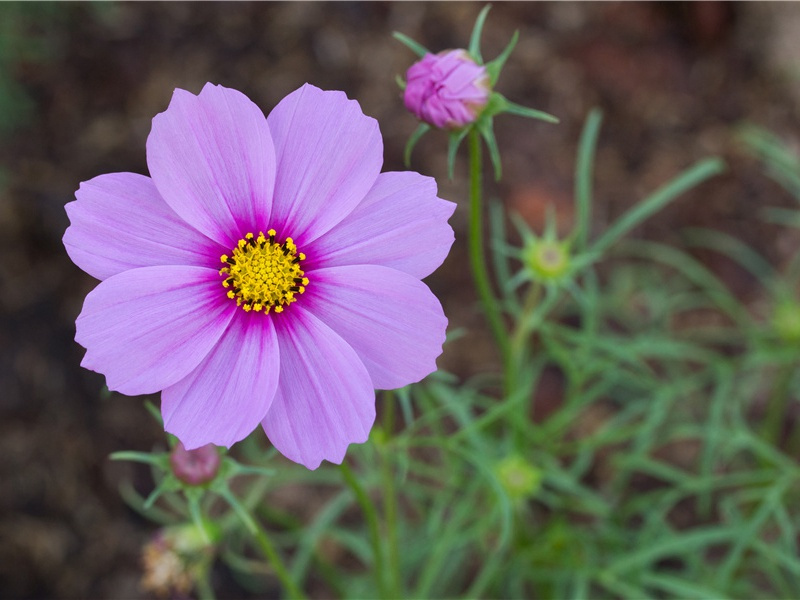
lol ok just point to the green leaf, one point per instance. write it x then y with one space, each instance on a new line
500 252
167 484
693 271
679 545
690 178
734 249
584 168
680 588
312 533
475 38
782 162
412 141
415 47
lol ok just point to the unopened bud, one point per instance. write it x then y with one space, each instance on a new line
519 478
195 467
447 90
548 260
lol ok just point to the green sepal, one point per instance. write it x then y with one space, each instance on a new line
229 468
169 484
415 47
551 225
456 137
531 113
475 38
159 460
496 104
401 83
494 67
523 229
412 141
486 129
154 412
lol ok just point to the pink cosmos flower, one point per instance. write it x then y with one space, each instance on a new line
266 272
447 90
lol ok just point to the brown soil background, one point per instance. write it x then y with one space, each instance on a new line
673 79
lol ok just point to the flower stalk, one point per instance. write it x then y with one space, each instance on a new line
477 256
264 544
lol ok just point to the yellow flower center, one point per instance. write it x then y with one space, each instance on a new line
261 274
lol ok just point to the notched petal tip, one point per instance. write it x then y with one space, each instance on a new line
325 399
212 158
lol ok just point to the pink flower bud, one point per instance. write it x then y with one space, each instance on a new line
195 467
447 90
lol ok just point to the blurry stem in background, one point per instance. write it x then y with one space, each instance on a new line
203 582
519 337
264 543
772 426
371 515
478 259
389 497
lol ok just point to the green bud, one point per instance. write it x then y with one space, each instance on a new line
519 478
786 321
548 260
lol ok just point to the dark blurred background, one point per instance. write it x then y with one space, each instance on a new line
80 83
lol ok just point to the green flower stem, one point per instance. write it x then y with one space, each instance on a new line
264 544
389 496
478 259
371 514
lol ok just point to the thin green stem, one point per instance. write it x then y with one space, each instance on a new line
389 497
775 417
264 544
522 332
371 515
477 256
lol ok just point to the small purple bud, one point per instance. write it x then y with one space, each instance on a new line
447 90
195 467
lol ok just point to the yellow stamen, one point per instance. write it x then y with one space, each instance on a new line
262 274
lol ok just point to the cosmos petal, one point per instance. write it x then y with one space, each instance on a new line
328 156
119 222
325 400
401 223
212 159
228 394
146 329
391 319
